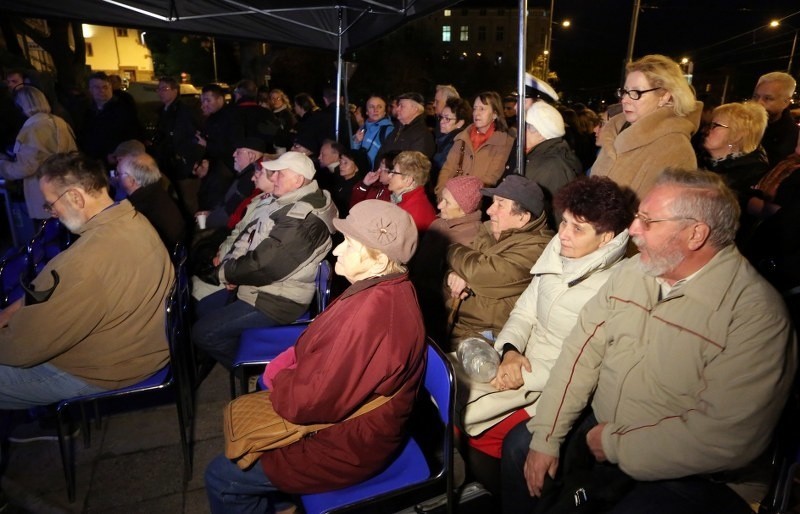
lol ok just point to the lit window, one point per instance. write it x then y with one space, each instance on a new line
447 12
464 33
446 33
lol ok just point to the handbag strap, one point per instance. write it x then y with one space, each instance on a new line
460 167
370 405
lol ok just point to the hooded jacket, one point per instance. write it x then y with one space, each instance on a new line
542 318
277 275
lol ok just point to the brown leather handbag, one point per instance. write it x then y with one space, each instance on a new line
252 427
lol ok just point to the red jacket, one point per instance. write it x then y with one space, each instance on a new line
370 341
416 203
376 191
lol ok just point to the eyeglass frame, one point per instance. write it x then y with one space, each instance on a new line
48 206
392 172
647 221
441 117
715 124
621 92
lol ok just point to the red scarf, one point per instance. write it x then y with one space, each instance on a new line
477 139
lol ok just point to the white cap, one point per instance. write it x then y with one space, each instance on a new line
294 161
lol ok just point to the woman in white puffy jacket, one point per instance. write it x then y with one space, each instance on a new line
592 238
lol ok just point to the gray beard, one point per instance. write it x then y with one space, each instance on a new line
659 265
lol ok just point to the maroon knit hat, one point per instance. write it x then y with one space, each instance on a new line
467 192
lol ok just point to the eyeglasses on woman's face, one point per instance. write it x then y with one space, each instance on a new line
634 94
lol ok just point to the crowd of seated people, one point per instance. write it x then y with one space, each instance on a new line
663 372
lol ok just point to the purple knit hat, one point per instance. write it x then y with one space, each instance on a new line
467 192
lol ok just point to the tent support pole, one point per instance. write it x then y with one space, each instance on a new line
339 72
523 40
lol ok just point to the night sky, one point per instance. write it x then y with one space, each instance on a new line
589 56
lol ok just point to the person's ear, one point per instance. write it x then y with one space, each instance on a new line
76 198
665 99
699 236
606 237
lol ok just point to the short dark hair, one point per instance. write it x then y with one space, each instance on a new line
170 81
215 89
461 108
74 169
598 201
99 75
305 102
247 89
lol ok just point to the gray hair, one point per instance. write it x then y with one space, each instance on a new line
448 90
784 80
142 168
705 198
31 100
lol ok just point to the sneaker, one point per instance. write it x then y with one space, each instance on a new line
37 431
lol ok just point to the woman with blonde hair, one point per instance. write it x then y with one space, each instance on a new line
654 130
733 146
483 147
42 135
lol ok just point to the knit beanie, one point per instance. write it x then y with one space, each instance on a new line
467 192
545 119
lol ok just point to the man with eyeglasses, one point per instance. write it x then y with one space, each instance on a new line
93 319
774 92
686 357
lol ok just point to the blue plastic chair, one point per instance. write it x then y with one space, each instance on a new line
409 471
258 346
14 269
51 240
175 376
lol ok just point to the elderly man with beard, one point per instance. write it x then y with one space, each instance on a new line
686 357
93 319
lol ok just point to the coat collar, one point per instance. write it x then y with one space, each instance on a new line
655 125
361 285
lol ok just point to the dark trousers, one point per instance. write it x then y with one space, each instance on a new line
690 495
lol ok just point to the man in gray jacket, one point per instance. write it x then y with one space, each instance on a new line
686 357
273 282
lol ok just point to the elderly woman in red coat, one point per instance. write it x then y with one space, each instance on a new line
370 341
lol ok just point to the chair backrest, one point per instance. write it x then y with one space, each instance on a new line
13 269
439 382
323 283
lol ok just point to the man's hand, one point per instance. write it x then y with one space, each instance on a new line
200 168
457 286
594 440
536 466
509 372
8 312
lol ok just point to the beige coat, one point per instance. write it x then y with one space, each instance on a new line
690 383
636 155
487 163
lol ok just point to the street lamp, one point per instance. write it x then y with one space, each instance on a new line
548 47
775 24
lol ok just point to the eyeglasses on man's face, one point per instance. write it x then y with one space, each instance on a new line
634 94
648 221
48 206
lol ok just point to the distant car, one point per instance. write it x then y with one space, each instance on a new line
148 103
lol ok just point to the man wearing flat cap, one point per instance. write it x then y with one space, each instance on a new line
486 278
549 160
410 131
272 283
249 152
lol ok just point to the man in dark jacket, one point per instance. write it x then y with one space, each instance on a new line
410 131
774 92
273 282
175 146
108 121
549 160
140 178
